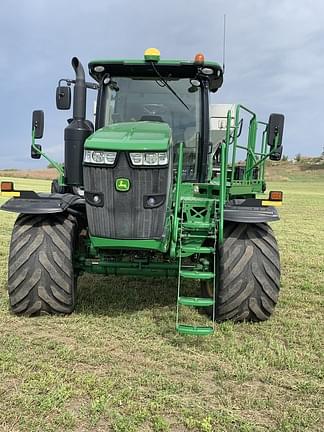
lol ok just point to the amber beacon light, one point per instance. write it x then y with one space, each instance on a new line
199 58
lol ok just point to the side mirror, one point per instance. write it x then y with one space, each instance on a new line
63 98
275 132
33 153
215 83
275 129
38 123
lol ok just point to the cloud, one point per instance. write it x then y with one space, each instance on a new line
274 58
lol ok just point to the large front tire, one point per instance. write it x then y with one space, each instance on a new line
41 277
249 274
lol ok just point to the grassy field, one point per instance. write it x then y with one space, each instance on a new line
117 364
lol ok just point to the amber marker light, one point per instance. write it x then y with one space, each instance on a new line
275 196
199 58
7 186
7 189
274 200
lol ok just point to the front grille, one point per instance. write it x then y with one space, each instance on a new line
123 215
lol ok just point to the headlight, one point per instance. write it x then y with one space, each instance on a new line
99 157
149 159
163 158
137 158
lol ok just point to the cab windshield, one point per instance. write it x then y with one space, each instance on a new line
128 99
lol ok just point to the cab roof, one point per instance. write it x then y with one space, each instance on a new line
167 68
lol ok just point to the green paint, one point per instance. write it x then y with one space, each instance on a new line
126 268
194 330
177 197
106 243
131 136
243 189
196 301
189 274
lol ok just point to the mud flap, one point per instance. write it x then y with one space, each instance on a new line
242 211
41 203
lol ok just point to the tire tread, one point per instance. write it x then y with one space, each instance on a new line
40 269
249 273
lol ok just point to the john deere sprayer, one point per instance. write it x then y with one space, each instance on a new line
162 183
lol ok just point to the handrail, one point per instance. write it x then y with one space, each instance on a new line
250 148
239 106
178 192
55 164
223 178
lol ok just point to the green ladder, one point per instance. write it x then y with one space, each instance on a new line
200 228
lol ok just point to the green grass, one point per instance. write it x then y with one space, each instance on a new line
117 364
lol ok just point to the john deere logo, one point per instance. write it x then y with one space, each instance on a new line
122 184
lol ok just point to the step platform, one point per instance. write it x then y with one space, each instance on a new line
194 330
196 301
193 274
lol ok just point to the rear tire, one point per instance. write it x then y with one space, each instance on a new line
249 269
41 277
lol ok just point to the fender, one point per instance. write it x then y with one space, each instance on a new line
30 202
250 211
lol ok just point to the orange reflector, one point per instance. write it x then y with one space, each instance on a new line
199 58
275 196
7 186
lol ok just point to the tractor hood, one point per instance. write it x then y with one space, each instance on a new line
137 136
131 201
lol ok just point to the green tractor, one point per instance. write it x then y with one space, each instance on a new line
161 184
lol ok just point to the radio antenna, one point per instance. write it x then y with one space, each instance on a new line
224 42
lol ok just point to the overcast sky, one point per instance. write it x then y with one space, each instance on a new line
274 60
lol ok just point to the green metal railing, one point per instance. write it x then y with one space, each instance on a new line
254 158
223 177
56 165
178 194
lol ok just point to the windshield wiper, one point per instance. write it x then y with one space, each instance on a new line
168 86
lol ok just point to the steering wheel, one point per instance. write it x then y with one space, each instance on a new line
155 109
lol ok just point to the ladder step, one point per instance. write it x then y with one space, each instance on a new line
197 236
196 301
189 274
198 249
197 225
198 201
194 330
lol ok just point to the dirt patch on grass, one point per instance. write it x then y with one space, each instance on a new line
42 174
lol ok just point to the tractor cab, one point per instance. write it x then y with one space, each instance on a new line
145 109
161 91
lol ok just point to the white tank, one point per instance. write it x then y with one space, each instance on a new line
218 120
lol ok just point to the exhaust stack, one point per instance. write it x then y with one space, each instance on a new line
80 91
77 131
